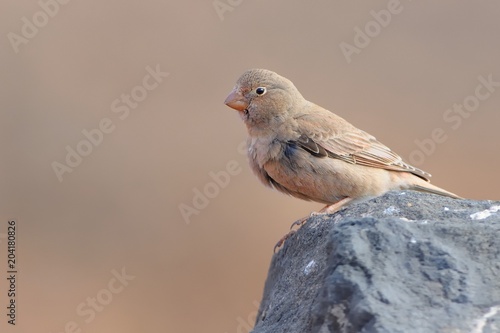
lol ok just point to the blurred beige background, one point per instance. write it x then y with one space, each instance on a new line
119 208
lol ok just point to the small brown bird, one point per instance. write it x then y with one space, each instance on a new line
306 151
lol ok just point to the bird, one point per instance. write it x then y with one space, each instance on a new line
306 151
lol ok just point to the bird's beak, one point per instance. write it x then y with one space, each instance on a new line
236 100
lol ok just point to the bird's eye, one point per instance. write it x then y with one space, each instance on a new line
260 91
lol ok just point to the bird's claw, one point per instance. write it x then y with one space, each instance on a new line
299 222
283 239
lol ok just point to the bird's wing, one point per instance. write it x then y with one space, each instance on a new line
324 134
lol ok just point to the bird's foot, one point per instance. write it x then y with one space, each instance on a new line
328 209
283 239
301 221
298 223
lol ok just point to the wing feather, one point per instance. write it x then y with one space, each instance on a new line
326 134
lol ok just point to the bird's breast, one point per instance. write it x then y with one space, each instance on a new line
264 149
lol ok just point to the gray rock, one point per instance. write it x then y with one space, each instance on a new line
403 262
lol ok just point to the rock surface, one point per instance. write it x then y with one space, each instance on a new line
403 262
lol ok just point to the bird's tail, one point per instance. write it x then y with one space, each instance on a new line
429 188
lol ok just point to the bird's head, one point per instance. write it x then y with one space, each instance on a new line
264 99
